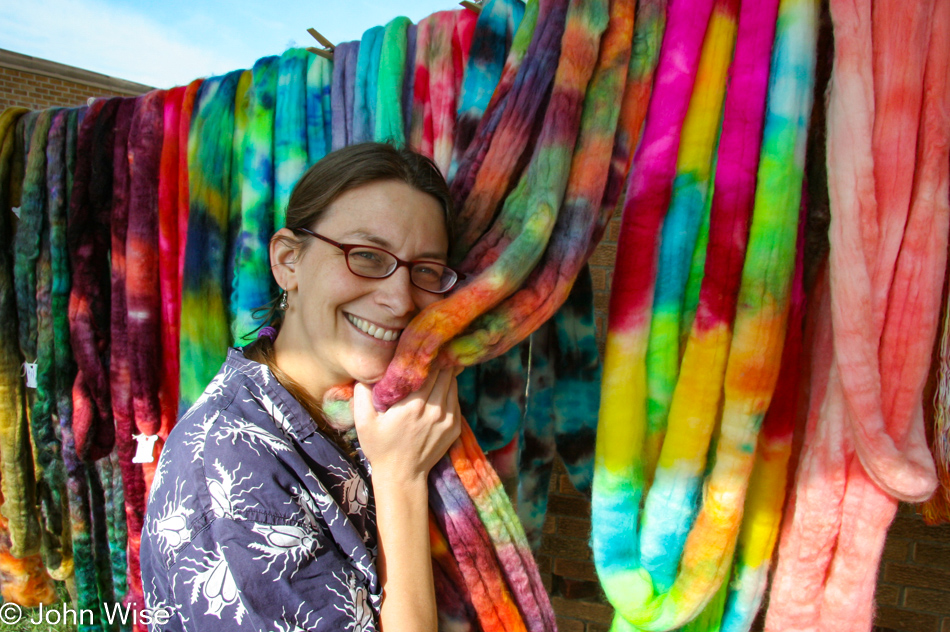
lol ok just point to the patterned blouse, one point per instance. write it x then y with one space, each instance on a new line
256 520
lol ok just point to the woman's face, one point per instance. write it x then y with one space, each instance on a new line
333 308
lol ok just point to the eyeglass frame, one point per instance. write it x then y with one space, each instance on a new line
346 248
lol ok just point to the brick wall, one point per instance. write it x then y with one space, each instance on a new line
38 83
914 577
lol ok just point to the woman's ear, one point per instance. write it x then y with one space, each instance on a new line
284 251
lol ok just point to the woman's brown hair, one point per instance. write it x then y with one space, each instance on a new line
328 179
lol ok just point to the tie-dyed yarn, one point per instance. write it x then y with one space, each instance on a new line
60 158
89 237
17 479
570 243
252 278
390 125
365 87
33 280
889 220
491 41
524 226
168 207
679 234
204 327
290 157
319 107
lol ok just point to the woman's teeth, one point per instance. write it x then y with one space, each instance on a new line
376 332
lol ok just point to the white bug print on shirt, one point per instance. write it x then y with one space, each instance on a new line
196 439
302 624
227 494
274 411
355 603
213 582
285 544
171 525
353 487
251 434
304 503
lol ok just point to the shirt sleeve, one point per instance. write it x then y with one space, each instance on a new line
268 575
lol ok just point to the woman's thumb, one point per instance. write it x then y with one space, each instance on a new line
363 409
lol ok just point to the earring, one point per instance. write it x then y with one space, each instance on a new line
283 301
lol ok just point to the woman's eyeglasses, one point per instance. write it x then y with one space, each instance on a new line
370 262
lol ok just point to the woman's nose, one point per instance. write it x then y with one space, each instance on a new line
396 292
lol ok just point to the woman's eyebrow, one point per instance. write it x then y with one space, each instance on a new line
383 243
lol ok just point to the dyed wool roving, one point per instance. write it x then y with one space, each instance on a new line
525 224
679 234
504 134
345 56
88 237
871 210
390 126
569 246
58 156
434 104
750 373
204 327
289 129
17 473
243 104
184 201
142 288
33 282
253 284
168 207
120 361
491 41
365 85
647 38
319 108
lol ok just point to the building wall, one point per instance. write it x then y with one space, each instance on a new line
36 84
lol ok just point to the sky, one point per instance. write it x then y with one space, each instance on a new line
162 43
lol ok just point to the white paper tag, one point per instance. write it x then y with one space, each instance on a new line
16 211
145 450
30 369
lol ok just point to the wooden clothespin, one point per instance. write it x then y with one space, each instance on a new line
328 47
472 6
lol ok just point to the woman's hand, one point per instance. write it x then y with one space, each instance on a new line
404 442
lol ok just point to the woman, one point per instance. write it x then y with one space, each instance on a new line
261 516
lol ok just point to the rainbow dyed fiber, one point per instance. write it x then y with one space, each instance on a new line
290 129
204 320
519 235
33 282
491 161
888 201
937 509
390 125
570 243
440 56
60 152
646 579
17 476
365 87
319 108
170 295
345 56
678 238
88 237
253 283
491 40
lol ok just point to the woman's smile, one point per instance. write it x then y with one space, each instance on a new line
373 330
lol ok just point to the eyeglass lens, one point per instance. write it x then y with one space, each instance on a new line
375 264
